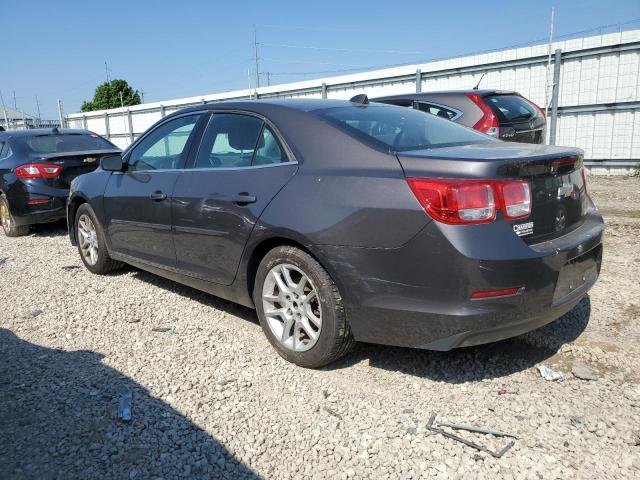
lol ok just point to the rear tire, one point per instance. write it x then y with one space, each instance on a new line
91 242
305 319
8 223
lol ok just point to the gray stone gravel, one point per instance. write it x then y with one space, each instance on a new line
211 399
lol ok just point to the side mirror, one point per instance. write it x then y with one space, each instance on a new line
112 163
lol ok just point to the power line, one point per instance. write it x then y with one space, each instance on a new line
464 54
332 49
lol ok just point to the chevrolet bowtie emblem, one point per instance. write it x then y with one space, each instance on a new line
89 160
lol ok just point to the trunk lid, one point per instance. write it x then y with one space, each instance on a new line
73 164
558 191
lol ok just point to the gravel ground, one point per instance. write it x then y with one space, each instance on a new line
211 399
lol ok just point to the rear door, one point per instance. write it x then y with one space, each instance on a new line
137 203
240 165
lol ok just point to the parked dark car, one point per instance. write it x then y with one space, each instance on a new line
342 221
503 114
36 169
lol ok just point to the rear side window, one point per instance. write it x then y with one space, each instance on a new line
4 150
269 150
437 110
511 108
398 129
229 141
66 142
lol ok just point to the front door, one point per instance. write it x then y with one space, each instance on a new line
239 167
138 202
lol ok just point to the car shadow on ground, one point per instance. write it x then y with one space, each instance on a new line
472 364
494 360
199 296
54 229
58 419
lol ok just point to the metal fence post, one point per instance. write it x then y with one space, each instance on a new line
106 125
163 112
130 126
324 90
61 115
555 93
418 81
84 122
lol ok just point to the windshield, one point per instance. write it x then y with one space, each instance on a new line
511 108
400 129
67 142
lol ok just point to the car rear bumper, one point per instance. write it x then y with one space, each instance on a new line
52 210
419 295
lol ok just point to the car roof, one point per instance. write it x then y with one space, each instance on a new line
264 105
33 132
447 92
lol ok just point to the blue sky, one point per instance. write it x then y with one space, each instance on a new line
169 49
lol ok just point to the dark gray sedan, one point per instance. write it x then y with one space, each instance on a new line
347 221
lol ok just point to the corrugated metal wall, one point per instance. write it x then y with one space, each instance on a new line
599 94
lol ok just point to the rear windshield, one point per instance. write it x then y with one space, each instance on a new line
66 142
400 129
511 108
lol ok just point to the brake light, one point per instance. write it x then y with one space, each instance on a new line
489 122
38 170
461 201
505 292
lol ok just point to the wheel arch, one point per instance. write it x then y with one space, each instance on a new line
265 245
74 204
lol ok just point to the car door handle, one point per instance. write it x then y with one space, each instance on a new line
244 198
158 196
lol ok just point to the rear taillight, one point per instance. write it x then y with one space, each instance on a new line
459 201
38 170
489 122
516 198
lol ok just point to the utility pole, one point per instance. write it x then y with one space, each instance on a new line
142 95
249 78
15 104
4 109
255 54
268 79
546 78
38 107
106 71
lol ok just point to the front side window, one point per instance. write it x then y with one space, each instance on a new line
230 141
163 148
400 129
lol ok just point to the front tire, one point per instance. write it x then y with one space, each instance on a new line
300 308
8 223
91 243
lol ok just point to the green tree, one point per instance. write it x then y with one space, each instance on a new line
107 96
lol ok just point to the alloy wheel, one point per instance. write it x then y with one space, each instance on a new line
88 239
292 307
5 217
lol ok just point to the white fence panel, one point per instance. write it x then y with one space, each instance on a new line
599 91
